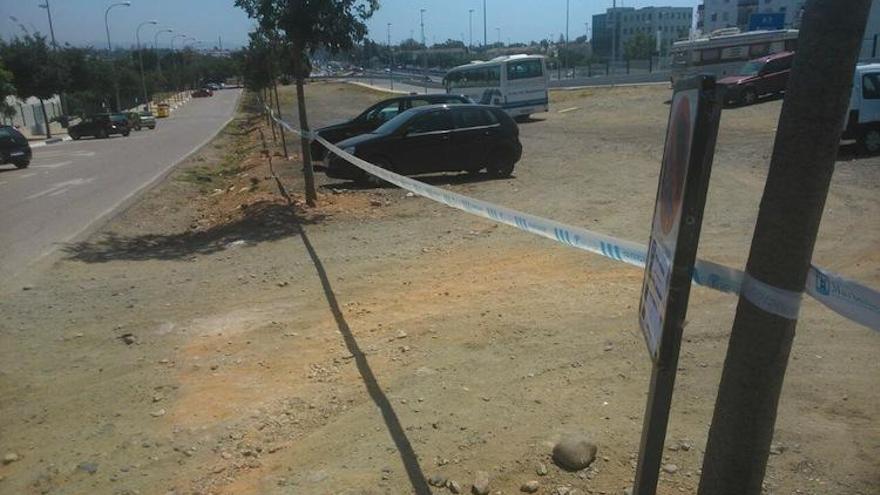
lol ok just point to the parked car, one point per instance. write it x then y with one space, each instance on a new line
100 126
202 93
863 118
376 115
212 86
132 120
14 147
763 76
147 119
435 138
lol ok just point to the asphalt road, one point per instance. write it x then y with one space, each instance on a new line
72 186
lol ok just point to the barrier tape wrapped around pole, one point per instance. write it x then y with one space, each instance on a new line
846 297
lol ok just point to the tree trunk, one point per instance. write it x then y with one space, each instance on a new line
46 119
308 171
278 111
800 173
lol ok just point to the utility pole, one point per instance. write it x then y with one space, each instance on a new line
110 48
137 35
425 46
485 37
391 52
55 48
470 29
797 184
567 2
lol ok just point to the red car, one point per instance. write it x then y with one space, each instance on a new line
763 76
202 93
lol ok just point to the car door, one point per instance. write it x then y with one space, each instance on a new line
375 117
86 127
425 144
774 76
476 130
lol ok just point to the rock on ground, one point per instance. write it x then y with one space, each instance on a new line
530 486
574 452
481 483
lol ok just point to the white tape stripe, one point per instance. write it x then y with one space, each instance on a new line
845 297
771 299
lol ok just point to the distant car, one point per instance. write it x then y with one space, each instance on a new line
14 147
147 119
202 93
213 86
100 126
435 138
132 119
376 115
763 76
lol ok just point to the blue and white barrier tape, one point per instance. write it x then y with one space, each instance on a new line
846 297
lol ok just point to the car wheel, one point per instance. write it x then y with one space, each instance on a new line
22 164
370 179
870 140
101 134
500 164
750 96
75 137
126 133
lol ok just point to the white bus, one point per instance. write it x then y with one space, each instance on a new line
517 83
725 51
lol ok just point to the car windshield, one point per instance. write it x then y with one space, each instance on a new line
752 68
119 117
394 124
6 132
146 114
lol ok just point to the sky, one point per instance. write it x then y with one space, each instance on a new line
81 22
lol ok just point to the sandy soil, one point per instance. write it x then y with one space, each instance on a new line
213 339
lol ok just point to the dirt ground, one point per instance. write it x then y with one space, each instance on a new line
214 339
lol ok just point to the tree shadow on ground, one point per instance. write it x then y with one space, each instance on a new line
392 422
260 222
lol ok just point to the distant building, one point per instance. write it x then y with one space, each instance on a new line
613 29
720 14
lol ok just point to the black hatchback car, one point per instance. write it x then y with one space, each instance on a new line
435 138
100 126
376 115
14 147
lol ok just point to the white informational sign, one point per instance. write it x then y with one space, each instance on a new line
667 218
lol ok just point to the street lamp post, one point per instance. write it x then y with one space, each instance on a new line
567 2
485 38
110 46
51 27
425 46
174 61
137 35
156 49
391 55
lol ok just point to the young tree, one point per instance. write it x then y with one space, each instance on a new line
336 25
6 89
639 47
36 70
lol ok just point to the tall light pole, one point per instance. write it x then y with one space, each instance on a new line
425 45
51 27
613 15
110 46
174 61
391 54
567 2
470 29
137 35
156 49
485 37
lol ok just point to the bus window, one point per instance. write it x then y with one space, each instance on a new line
710 55
871 86
524 69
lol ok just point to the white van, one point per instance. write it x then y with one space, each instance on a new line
863 117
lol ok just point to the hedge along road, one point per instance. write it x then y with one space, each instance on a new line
69 188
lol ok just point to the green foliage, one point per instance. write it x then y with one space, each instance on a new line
640 46
6 89
36 71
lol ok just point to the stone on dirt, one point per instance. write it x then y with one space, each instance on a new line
530 486
670 468
10 458
453 486
481 483
574 452
88 467
437 480
542 469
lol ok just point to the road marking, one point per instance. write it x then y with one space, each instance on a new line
25 176
60 188
52 165
49 154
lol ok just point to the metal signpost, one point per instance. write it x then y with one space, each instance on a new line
678 214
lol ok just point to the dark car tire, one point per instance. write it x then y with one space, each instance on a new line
101 134
126 133
749 97
370 179
870 140
501 163
75 137
22 164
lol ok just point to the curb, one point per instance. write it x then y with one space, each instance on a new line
40 144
